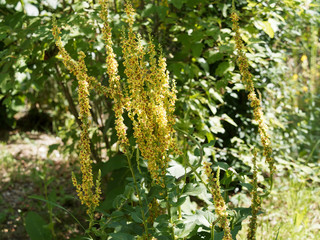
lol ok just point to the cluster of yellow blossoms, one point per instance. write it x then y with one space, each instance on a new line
115 89
146 95
219 203
154 210
247 80
87 192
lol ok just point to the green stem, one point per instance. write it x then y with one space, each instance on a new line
198 175
195 141
194 169
145 224
312 151
185 175
212 232
49 208
169 214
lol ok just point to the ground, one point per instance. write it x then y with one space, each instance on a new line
26 170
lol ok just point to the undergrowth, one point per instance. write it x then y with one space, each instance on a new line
292 211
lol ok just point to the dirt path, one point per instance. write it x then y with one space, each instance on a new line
25 170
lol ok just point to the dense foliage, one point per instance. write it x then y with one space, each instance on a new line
213 117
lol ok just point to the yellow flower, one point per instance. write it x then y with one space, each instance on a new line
219 203
305 89
304 58
85 189
247 80
150 99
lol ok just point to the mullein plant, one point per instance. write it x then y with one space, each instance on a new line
247 79
146 95
150 100
219 203
255 201
88 192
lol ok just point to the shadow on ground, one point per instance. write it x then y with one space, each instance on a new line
27 170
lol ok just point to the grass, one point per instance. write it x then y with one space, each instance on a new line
292 212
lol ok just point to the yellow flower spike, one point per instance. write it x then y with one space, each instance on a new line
219 203
78 68
255 202
255 102
115 90
154 210
151 100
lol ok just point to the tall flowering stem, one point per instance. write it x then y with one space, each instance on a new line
255 202
115 89
145 95
151 100
219 203
88 192
247 80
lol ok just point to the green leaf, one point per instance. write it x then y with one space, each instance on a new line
35 226
216 126
114 163
184 230
223 68
176 169
59 206
3 36
116 186
218 235
207 218
162 12
121 236
194 189
209 136
235 231
197 49
13 2
265 26
177 3
53 147
4 79
179 202
247 186
228 119
203 63
197 152
116 214
148 10
227 49
213 56
216 95
211 143
213 31
222 165
136 216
